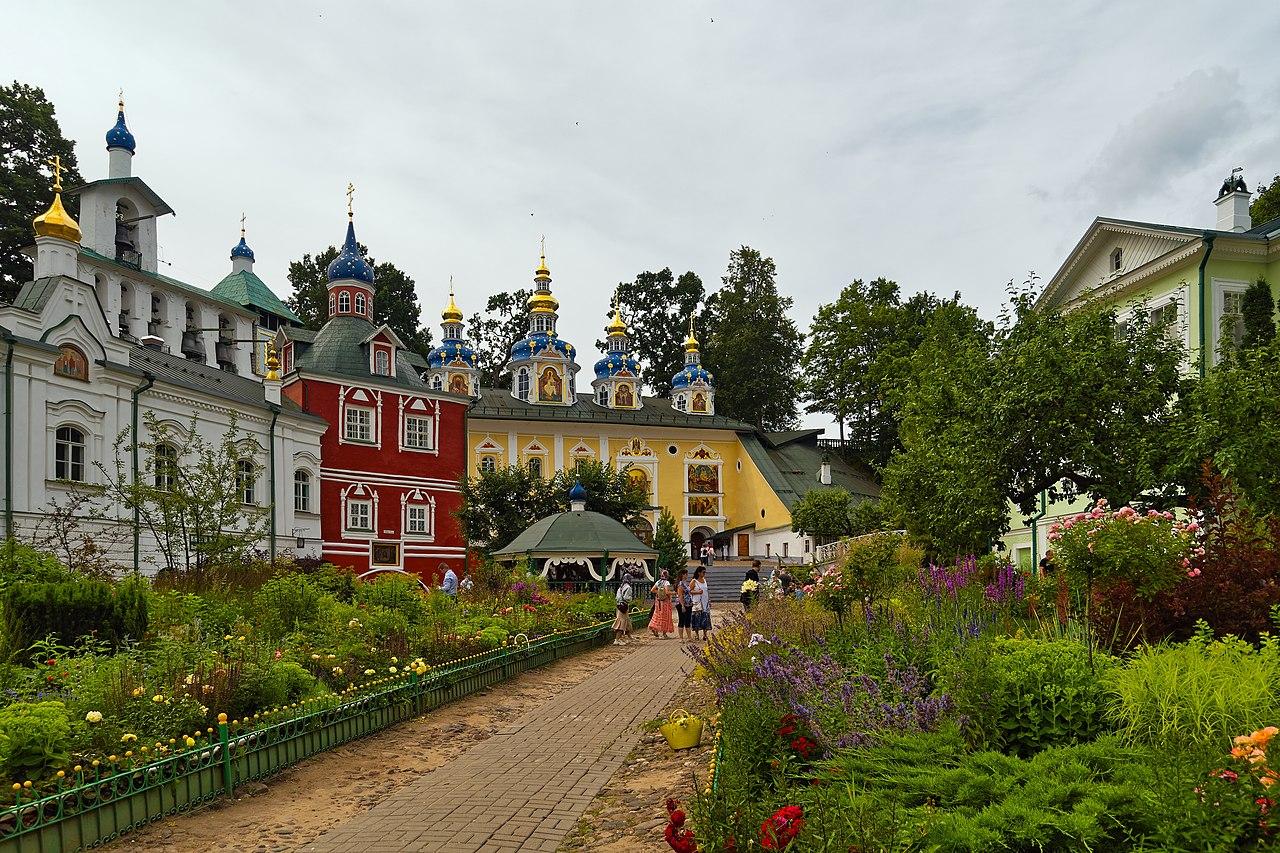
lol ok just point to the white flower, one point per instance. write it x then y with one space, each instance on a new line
756 639
93 717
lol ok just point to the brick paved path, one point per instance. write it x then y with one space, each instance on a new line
525 787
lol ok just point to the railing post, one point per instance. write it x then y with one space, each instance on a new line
227 782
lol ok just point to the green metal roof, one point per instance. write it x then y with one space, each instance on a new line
34 295
790 461
151 195
498 404
339 350
245 288
155 276
587 534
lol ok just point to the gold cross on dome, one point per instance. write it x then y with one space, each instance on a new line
120 102
242 224
542 245
56 162
351 191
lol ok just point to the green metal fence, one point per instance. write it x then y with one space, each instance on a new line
101 803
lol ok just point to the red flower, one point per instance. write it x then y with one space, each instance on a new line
782 828
787 725
50 662
1263 804
803 746
680 840
731 845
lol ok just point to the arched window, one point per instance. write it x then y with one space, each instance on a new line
602 395
522 383
535 466
437 382
331 304
381 359
165 466
417 518
680 404
71 363
68 454
488 464
1117 260
246 481
344 302
360 304
302 490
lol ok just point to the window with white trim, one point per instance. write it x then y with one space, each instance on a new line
1117 260
165 466
602 395
302 490
535 466
488 464
417 432
68 454
418 518
381 362
331 303
1232 322
680 402
522 383
360 304
359 424
437 383
246 482
344 302
359 515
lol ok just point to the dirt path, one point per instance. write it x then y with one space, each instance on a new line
299 805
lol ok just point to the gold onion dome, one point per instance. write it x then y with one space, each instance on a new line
617 326
451 313
690 343
542 271
56 222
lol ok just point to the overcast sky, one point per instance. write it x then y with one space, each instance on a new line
949 146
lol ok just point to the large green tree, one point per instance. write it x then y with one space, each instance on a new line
492 334
752 347
672 550
29 137
1068 405
1267 205
657 307
498 505
823 513
1258 312
395 301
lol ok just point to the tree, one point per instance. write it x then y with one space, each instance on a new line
671 549
189 494
857 346
1258 313
657 307
1266 206
395 301
62 529
753 347
823 514
29 137
1067 405
498 505
494 333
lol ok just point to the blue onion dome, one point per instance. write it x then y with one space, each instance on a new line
119 136
540 342
577 493
242 250
614 363
449 352
350 264
689 375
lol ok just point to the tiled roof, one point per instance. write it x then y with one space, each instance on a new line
245 288
200 377
338 350
35 294
298 333
498 404
790 463
585 533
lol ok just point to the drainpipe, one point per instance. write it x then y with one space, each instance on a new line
8 437
1035 534
1208 250
147 381
275 413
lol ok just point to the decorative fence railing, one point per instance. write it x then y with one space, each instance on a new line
639 589
103 801
833 551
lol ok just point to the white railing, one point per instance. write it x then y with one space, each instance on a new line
834 551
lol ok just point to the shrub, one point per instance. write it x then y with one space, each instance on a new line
1022 696
397 592
1200 692
73 609
286 603
33 739
20 562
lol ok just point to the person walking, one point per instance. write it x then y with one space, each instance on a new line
622 622
660 622
449 586
750 585
684 605
701 603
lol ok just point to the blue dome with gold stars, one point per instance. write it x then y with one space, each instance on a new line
241 250
119 136
350 264
540 342
690 374
451 351
614 363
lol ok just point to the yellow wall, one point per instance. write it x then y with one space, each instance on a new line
745 491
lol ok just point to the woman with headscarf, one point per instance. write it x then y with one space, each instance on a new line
660 621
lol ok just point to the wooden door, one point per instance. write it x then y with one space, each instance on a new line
744 544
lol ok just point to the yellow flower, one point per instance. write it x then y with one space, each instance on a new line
128 738
227 638
157 698
137 691
189 741
393 669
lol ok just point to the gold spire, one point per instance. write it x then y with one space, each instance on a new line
120 103
242 225
542 272
617 326
273 363
351 191
691 343
56 222
451 313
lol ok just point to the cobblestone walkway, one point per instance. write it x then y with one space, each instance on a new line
525 787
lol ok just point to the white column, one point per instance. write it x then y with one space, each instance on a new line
244 346
141 310
209 322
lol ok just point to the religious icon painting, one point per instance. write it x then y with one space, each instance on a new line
550 386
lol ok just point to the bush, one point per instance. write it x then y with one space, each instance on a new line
397 592
33 739
1196 693
73 609
1022 696
286 603
20 562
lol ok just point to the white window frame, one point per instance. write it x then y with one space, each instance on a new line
523 384
344 302
427 427
365 505
70 463
381 361
437 382
360 304
163 479
348 423
332 305
419 507
1221 287
302 478
538 459
247 482
602 396
488 463
1115 260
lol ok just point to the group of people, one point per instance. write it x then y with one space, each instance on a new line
689 597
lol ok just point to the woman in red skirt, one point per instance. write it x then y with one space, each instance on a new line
660 622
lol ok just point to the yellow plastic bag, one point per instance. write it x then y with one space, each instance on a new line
682 730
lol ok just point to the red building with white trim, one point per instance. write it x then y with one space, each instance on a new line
395 449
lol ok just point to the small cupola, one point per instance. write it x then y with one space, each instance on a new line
1233 203
577 497
57 234
350 275
120 145
241 254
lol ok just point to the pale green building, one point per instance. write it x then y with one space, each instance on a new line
1188 280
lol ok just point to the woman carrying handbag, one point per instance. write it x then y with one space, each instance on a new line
660 622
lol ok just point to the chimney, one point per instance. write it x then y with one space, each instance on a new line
154 342
1233 203
824 472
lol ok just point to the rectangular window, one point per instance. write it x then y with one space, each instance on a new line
1233 318
417 432
359 515
785 547
359 424
1165 318
417 519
